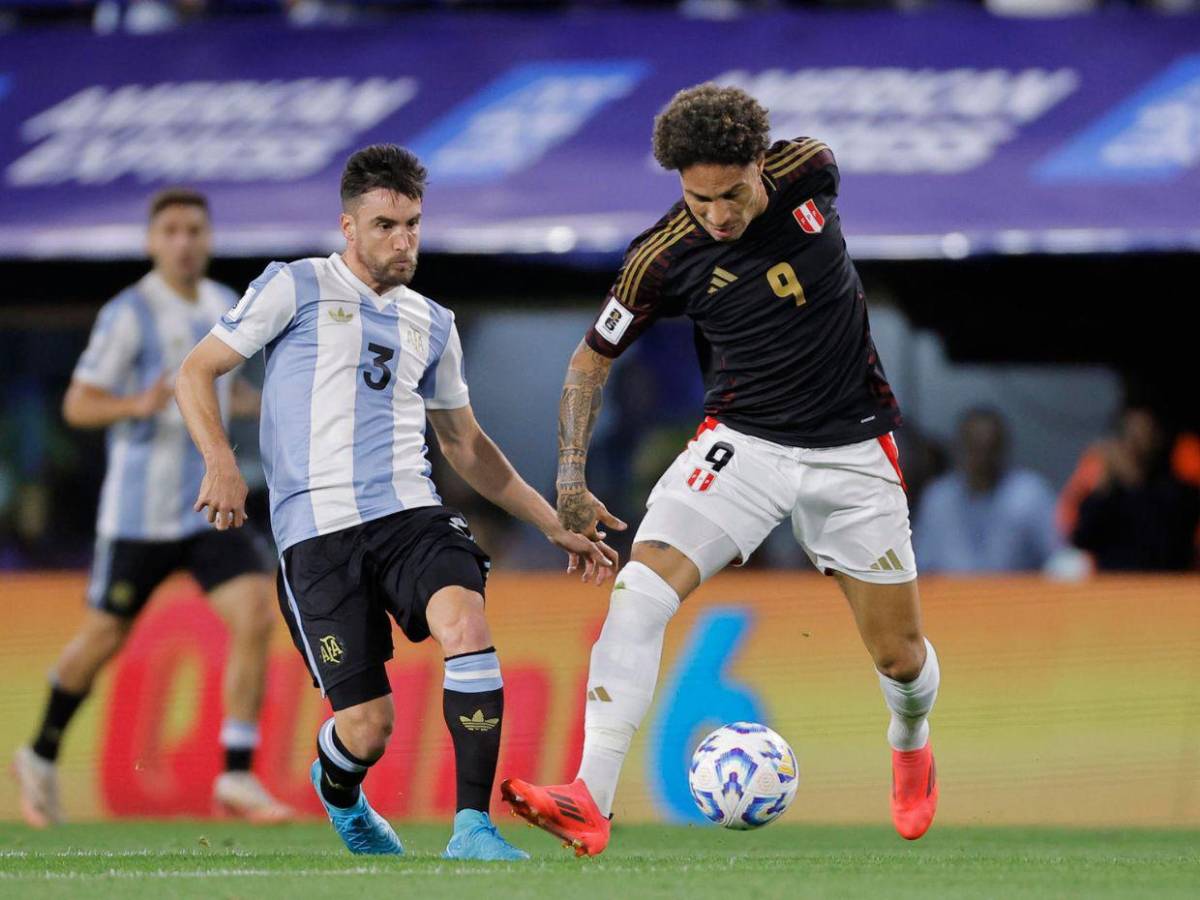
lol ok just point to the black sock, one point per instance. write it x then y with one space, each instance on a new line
475 719
342 771
238 759
59 709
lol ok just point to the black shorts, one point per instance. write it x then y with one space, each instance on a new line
336 590
125 573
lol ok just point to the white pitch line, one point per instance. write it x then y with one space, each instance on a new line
119 854
206 873
486 870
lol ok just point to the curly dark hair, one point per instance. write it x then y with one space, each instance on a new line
383 166
711 124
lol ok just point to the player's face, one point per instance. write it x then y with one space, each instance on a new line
383 233
983 447
179 241
724 198
1142 434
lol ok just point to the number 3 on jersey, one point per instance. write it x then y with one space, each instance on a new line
378 380
783 281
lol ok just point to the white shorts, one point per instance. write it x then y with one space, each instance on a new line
847 505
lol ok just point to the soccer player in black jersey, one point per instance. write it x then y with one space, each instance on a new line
798 422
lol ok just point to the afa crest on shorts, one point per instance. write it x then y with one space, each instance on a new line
809 217
332 650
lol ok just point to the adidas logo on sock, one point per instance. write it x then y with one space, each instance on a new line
599 694
889 562
478 723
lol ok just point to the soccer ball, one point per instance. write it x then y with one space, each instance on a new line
743 775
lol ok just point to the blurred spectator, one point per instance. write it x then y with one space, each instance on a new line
1138 513
145 16
923 460
1040 8
985 516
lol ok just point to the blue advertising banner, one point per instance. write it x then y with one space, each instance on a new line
956 133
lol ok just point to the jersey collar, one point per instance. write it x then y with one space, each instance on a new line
379 301
156 287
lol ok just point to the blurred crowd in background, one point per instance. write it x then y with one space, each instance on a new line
149 16
1000 477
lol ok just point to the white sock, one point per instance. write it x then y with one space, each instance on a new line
910 703
238 735
622 676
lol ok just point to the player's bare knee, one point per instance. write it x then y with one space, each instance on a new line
247 606
466 633
106 633
366 729
259 619
457 621
901 660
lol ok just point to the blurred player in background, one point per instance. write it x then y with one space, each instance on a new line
799 422
356 362
146 528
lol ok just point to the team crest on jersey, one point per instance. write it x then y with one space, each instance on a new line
416 342
809 217
701 480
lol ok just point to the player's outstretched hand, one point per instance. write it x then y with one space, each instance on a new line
222 497
582 512
597 558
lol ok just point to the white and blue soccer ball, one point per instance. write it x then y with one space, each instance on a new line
743 775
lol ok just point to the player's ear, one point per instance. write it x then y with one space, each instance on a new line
346 221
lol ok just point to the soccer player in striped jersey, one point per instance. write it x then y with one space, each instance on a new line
146 527
798 428
356 364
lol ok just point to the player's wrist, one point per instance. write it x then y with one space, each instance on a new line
546 521
220 460
138 406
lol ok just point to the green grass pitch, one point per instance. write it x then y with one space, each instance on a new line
232 860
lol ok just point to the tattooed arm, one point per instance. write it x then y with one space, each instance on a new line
578 509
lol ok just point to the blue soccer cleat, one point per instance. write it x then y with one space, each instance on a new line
361 828
475 837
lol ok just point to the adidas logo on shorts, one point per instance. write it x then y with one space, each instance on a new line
889 562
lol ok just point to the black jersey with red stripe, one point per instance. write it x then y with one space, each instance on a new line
780 317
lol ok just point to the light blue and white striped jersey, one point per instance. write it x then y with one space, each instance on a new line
350 374
154 470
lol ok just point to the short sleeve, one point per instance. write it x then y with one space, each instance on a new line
804 167
112 347
640 296
445 386
264 311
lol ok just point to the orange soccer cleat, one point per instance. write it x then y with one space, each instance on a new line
567 811
914 791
